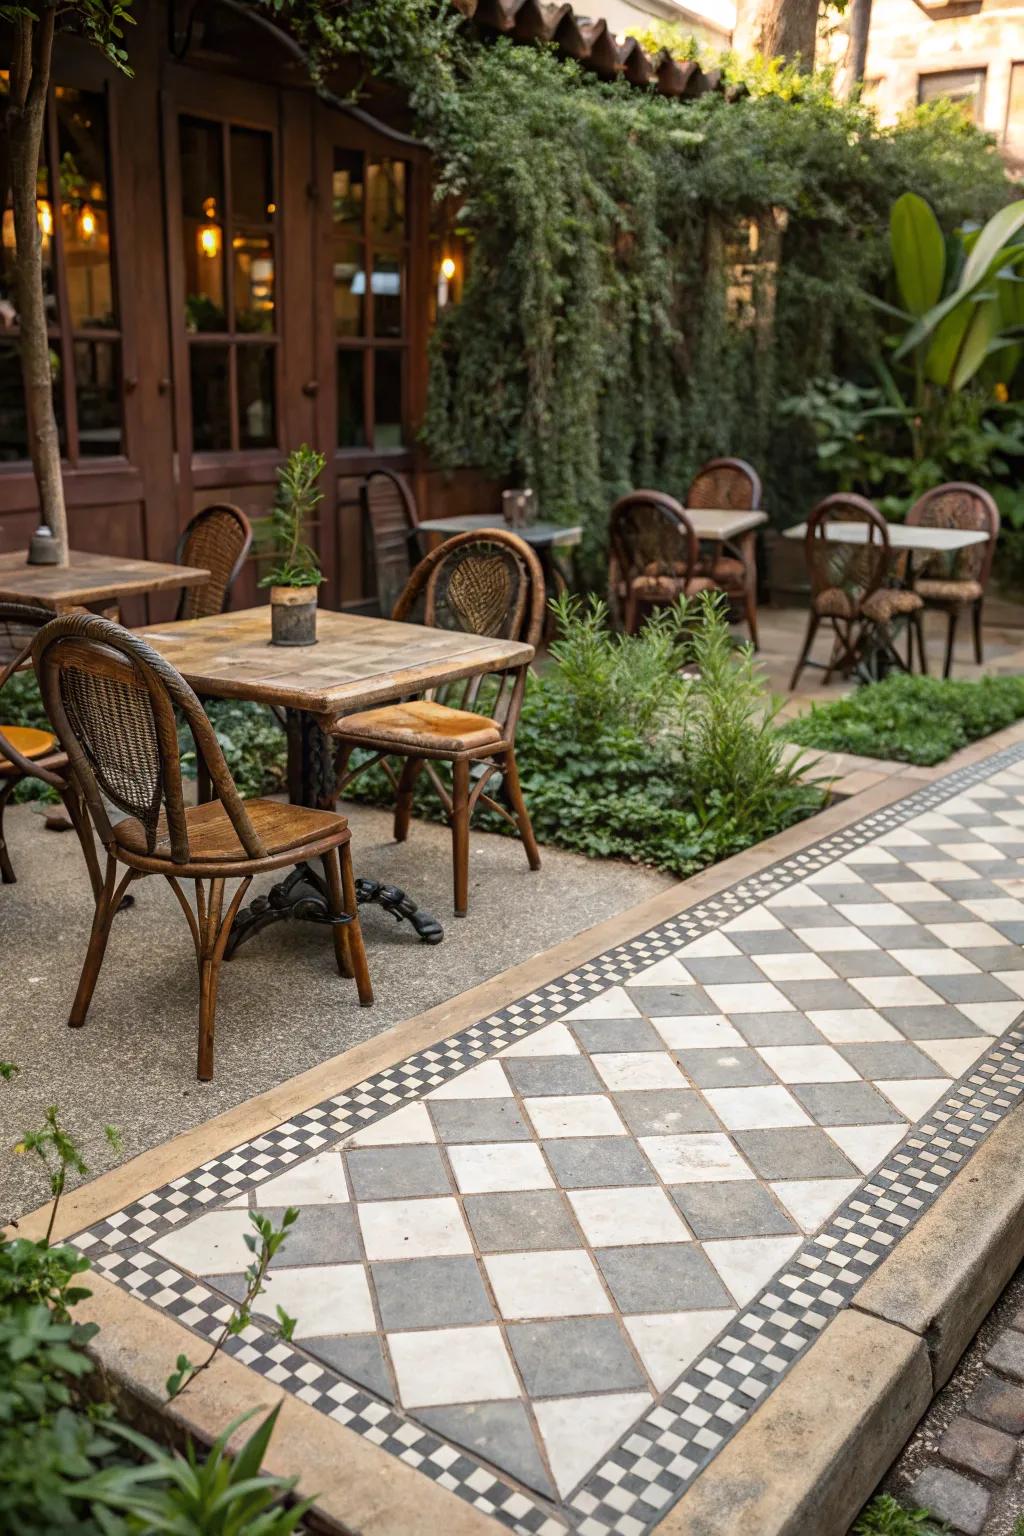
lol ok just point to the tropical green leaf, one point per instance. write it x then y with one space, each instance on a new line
918 252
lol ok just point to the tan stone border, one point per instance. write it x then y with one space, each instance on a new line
809 1456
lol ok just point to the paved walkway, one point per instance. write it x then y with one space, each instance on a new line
555 1261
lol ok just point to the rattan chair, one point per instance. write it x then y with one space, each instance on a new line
217 540
654 555
389 520
731 485
483 583
848 588
112 701
26 752
954 583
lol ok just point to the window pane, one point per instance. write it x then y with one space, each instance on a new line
44 217
211 412
202 213
387 400
351 408
256 423
966 86
98 393
254 282
349 288
386 198
1015 109
252 177
347 189
84 211
13 424
387 296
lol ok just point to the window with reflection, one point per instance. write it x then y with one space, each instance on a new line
229 260
370 252
73 213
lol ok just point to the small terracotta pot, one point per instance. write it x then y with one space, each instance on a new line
293 615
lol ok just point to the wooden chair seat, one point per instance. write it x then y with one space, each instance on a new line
422 723
667 588
935 591
27 740
879 606
726 572
213 839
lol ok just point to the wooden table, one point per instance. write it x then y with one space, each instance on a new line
357 662
90 580
901 536
724 526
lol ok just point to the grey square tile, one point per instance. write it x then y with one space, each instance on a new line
770 941
358 1357
499 1432
662 1277
806 995
730 968
800 918
1013 931
975 987
593 1162
528 1219
884 874
888 1059
584 1354
802 1152
863 962
597 1035
838 892
998 957
742 1208
972 890
776 1029
534 1076
913 936
846 1103
479 1120
393 1173
924 912
430 1293
323 1234
728 1068
662 1002
930 1022
664 1111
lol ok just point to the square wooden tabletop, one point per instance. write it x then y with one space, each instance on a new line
356 662
714 523
901 536
89 578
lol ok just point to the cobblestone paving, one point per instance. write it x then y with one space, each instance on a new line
555 1261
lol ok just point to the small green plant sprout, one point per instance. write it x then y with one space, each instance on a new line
885 1517
263 1244
8 1071
59 1154
296 564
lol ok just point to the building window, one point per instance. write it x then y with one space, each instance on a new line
229 222
964 86
73 209
370 255
1015 107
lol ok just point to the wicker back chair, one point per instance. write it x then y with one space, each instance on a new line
486 582
951 583
848 584
113 703
27 752
389 520
731 485
654 555
217 540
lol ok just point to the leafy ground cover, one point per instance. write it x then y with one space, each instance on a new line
919 720
885 1517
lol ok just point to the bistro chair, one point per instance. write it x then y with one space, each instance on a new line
654 555
29 753
848 589
486 582
389 521
952 584
730 485
217 540
112 700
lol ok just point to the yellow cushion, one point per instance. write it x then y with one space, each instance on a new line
28 741
421 723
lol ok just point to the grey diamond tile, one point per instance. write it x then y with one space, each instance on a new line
800 918
323 1234
938 911
358 1357
392 1173
973 890
863 962
530 1219
808 995
598 1035
802 1152
498 1432
930 1022
661 1277
430 1293
1013 931
586 1354
776 1029
664 1111
846 1103
972 988
737 1209
539 1075
1001 957
913 936
666 1002
728 1068
479 1120
770 941
730 968
593 1162
888 1059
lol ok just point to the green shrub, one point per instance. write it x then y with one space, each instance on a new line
885 1517
252 741
911 719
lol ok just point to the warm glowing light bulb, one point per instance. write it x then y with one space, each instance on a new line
209 240
45 217
448 269
87 223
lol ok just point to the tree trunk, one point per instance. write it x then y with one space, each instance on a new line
785 29
857 48
26 111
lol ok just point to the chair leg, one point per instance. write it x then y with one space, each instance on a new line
7 875
950 636
403 800
83 827
460 833
522 815
812 630
917 628
209 974
979 648
748 549
107 904
353 930
336 907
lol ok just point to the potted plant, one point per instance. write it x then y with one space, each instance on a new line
295 574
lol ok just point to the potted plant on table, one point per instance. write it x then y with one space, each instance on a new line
295 574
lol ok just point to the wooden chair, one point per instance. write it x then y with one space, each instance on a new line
654 555
731 485
389 520
848 588
112 701
487 582
29 753
954 583
217 540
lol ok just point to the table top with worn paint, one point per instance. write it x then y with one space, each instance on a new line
901 536
722 524
540 534
356 662
89 578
